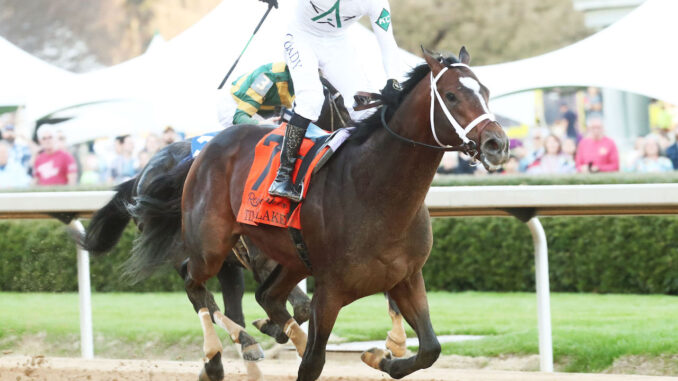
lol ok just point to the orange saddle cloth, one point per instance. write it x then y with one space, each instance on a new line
258 207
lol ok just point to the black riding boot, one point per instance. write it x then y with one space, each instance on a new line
282 185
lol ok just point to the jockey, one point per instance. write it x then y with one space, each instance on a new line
317 39
258 92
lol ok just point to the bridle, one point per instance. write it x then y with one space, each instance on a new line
467 146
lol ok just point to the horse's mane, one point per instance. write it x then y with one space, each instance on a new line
367 126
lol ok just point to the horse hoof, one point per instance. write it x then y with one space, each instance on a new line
252 352
374 357
397 347
260 323
213 370
302 313
269 328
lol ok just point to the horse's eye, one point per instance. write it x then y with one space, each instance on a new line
450 97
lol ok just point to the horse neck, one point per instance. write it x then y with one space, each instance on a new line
401 173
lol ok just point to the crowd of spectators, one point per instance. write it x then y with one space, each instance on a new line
564 149
560 149
51 161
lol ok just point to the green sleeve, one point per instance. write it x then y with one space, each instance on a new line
241 117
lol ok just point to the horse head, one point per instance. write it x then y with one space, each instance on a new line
459 113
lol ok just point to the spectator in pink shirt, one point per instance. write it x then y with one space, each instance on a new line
596 152
53 166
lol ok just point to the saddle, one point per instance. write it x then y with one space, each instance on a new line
257 206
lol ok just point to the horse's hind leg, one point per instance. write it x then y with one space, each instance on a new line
203 302
410 296
396 337
232 289
232 284
205 261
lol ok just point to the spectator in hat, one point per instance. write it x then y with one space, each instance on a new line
53 166
19 153
12 174
596 152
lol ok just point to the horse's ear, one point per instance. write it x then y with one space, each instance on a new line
464 57
433 62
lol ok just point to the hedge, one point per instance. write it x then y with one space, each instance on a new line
40 256
587 254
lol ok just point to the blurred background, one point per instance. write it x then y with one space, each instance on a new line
115 80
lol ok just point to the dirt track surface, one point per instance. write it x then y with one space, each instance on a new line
17 368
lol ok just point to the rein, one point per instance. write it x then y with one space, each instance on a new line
468 148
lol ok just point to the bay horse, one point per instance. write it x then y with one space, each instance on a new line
160 182
364 220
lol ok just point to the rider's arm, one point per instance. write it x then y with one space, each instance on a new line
380 18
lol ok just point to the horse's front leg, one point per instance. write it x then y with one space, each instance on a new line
271 296
232 289
325 307
410 296
396 338
262 267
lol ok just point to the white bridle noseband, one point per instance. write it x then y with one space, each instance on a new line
461 131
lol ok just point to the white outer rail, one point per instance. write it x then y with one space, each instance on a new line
532 201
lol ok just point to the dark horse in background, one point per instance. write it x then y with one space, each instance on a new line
162 180
364 220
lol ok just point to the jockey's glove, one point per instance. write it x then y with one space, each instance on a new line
390 94
272 3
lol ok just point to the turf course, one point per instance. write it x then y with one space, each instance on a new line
589 331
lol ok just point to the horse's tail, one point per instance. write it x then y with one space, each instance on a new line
158 213
108 223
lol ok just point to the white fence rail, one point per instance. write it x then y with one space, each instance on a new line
524 202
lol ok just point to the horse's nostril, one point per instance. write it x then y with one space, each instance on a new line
491 145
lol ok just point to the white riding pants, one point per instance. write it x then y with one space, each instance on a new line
335 57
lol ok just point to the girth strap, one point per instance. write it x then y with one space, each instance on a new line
302 250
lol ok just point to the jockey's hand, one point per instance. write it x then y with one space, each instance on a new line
272 3
390 94
275 120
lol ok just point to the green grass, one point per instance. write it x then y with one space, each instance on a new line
589 331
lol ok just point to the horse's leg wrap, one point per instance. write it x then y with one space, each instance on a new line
251 350
396 337
297 335
211 345
229 325
375 357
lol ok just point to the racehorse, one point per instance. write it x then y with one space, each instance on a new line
162 179
364 220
